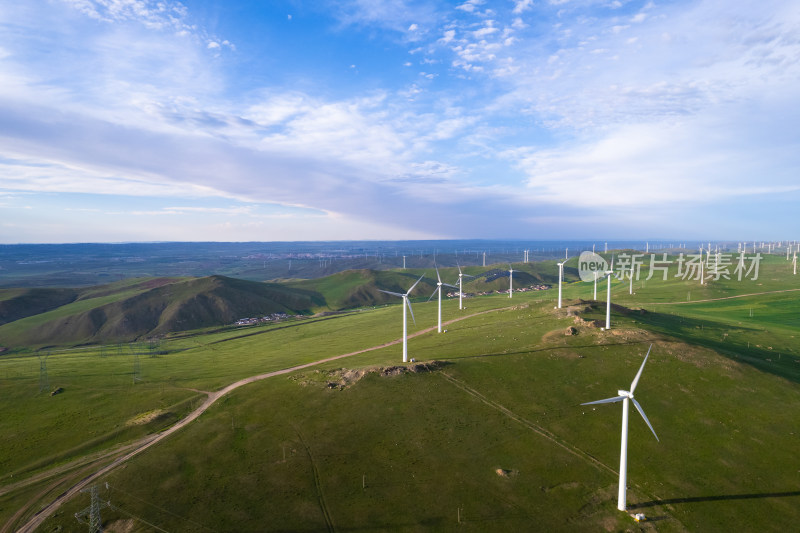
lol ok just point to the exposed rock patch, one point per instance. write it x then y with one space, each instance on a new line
343 378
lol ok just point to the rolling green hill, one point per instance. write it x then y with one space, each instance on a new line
21 303
358 288
136 309
139 308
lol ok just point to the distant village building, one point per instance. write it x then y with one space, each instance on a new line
274 317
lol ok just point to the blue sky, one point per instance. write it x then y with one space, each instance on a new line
140 120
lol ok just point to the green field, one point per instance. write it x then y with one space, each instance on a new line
491 438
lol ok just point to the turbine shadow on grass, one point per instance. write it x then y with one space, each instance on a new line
686 329
723 497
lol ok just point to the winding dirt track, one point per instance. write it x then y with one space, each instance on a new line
150 440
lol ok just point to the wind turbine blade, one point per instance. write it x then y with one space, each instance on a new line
459 268
392 293
437 274
448 285
607 400
415 284
412 311
639 374
641 412
434 292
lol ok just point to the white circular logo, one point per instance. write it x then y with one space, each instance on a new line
591 266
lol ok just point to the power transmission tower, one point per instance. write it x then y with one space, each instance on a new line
94 522
44 383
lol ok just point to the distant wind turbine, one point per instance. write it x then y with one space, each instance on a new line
609 273
626 397
439 290
630 289
406 303
461 285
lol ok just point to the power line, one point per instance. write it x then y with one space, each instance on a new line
44 383
142 520
157 507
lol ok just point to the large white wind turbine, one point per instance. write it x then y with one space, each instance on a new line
510 280
406 303
439 290
626 397
560 276
461 285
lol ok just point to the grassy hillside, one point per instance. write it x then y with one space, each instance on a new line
132 310
21 303
358 288
494 435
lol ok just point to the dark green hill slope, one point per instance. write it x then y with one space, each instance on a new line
21 303
358 288
152 307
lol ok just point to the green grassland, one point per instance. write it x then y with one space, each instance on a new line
421 451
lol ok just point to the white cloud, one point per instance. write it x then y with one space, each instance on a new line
470 6
144 103
449 35
521 6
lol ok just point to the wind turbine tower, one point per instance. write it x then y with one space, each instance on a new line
439 289
626 397
560 277
630 288
461 285
609 273
406 303
510 280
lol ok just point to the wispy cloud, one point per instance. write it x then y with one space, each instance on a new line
503 107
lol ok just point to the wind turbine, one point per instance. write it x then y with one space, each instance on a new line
609 273
439 289
630 290
510 280
405 317
626 397
460 285
560 276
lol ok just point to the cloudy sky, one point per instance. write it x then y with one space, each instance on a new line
154 120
